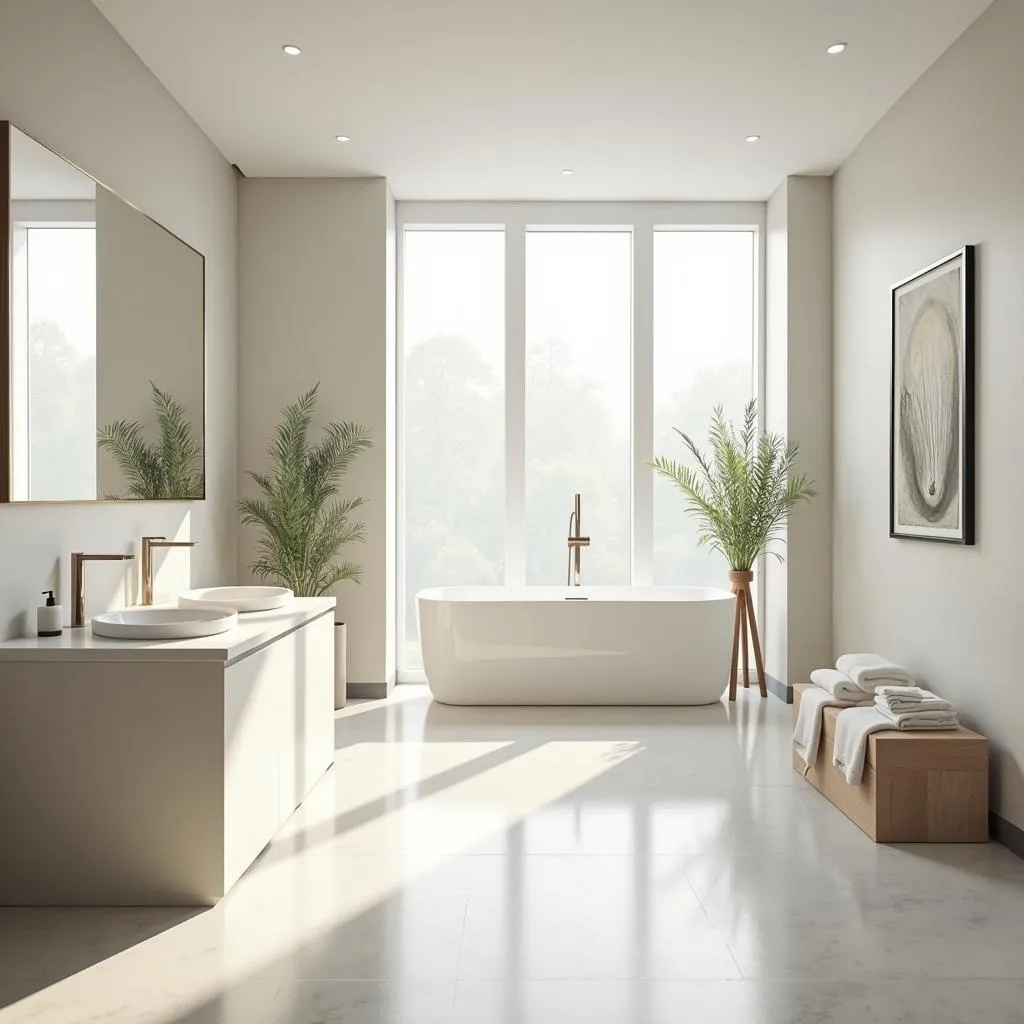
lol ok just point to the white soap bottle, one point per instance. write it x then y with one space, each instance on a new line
49 617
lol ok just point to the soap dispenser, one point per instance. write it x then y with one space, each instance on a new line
49 617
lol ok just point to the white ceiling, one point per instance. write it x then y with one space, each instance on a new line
490 99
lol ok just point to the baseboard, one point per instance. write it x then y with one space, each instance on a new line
371 691
784 691
1005 832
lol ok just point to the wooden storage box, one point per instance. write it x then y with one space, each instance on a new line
918 787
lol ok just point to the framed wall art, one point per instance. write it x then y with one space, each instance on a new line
931 451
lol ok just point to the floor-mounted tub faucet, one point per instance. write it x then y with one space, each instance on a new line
576 541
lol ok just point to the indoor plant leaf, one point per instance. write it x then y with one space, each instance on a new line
303 520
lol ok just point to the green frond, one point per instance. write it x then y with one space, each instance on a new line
303 522
171 467
742 492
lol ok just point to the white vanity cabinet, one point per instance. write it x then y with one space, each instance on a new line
154 772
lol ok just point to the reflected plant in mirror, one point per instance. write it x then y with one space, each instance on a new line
172 468
303 519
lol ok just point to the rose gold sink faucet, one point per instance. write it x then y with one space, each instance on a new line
148 543
576 541
78 559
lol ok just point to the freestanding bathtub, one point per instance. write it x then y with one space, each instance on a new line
580 645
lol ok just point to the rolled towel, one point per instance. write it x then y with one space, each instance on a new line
807 734
907 721
841 687
870 671
853 726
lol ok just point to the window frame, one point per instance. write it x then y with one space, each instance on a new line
641 219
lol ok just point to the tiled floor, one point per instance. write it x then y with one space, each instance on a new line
553 866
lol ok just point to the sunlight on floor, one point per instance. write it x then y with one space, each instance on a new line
281 904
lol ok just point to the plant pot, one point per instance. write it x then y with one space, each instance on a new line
740 578
340 665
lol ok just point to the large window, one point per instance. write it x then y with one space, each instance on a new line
703 334
452 414
578 333
547 350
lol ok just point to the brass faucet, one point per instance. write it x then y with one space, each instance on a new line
78 559
148 543
576 541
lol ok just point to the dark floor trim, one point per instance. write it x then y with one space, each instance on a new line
1005 832
370 691
783 691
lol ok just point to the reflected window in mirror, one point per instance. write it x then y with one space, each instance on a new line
53 359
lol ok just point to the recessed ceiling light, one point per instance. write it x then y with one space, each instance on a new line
752 138
836 48
342 138
292 50
567 171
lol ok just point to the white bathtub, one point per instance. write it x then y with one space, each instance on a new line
608 645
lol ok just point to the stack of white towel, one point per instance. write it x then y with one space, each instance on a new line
875 694
910 707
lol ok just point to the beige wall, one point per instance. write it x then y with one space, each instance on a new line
944 167
798 386
149 324
68 79
314 306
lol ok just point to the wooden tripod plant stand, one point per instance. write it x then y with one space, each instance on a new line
744 625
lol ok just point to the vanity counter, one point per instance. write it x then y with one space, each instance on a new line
146 772
254 631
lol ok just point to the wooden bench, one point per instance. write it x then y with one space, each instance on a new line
918 787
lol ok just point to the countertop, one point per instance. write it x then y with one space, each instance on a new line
254 630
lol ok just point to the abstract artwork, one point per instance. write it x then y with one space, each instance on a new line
931 456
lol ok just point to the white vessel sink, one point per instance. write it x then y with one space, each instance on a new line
239 599
164 623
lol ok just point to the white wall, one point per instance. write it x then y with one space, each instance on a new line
67 78
314 306
798 379
944 167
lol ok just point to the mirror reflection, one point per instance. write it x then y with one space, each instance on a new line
106 351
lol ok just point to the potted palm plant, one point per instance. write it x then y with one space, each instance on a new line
170 468
304 521
741 495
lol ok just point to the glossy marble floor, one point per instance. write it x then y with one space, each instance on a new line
553 866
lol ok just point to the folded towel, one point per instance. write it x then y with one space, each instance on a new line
807 734
853 726
892 702
904 692
869 671
909 720
841 687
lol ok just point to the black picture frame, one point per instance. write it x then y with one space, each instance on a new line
931 403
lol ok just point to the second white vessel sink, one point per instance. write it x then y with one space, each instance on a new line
164 623
240 599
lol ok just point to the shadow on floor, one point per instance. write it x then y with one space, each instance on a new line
40 946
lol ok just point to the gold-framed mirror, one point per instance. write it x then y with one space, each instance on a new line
102 340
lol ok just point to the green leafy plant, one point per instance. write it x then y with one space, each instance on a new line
743 492
303 520
170 468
